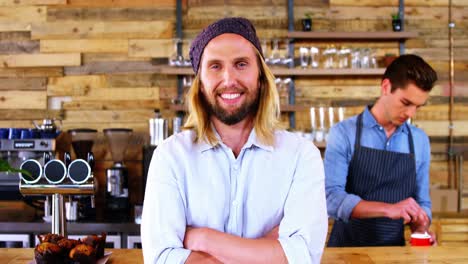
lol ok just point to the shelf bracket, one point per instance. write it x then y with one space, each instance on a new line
292 89
401 12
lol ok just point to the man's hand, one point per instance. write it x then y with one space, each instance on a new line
433 238
410 211
421 224
273 234
194 238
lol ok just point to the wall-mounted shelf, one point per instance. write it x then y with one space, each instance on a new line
163 69
327 72
169 70
284 108
356 36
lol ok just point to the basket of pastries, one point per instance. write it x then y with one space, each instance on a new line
55 249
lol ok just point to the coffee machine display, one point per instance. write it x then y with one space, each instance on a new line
117 200
80 170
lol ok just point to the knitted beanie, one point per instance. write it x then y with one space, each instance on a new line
237 25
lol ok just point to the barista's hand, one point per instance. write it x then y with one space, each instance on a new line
410 211
420 224
273 234
433 238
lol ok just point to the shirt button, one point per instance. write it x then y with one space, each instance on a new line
388 143
236 167
381 128
234 203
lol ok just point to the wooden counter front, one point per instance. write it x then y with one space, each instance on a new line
440 254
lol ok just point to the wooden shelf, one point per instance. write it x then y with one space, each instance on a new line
357 36
284 108
178 107
327 72
166 69
163 69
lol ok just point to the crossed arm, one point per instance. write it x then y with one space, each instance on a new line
211 246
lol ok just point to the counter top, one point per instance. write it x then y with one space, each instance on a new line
440 254
72 227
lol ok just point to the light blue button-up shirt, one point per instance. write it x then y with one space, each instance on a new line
200 185
340 149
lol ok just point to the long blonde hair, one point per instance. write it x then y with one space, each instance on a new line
267 118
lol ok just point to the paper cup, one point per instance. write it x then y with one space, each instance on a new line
420 239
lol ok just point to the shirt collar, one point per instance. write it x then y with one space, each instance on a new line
368 120
252 140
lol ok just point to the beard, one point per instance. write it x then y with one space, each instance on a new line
231 117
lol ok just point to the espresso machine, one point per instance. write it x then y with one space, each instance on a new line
82 142
117 199
58 178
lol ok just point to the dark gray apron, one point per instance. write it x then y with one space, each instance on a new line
382 176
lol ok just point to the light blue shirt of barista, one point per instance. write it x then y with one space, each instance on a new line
340 149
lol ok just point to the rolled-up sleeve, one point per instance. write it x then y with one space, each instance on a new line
422 178
163 220
340 204
304 227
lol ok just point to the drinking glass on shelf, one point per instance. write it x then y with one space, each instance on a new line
329 54
286 59
265 43
275 53
355 59
365 60
175 59
186 58
340 114
331 117
314 57
313 122
187 80
373 59
320 132
343 55
304 57
285 91
282 85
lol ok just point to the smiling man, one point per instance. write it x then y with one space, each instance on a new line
377 165
234 187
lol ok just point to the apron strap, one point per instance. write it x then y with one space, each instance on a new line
357 142
410 139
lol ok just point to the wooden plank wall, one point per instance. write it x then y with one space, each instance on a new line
90 62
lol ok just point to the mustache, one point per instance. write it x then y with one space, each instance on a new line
230 89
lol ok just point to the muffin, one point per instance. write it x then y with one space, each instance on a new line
67 245
97 242
52 238
83 254
48 253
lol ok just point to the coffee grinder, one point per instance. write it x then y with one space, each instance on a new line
82 142
117 200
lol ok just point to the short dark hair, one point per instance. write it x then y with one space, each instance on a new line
410 68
